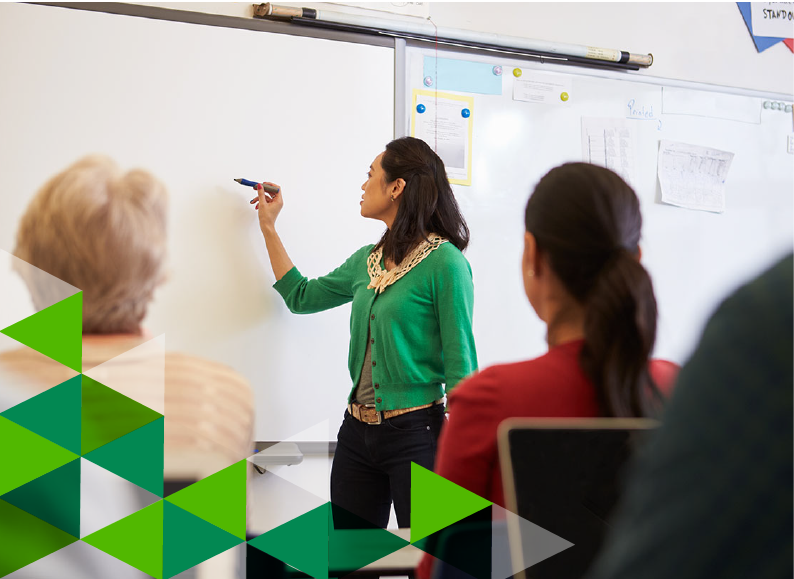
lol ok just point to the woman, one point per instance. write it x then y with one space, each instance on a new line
410 332
103 230
582 275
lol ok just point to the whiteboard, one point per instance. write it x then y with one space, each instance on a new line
695 258
199 106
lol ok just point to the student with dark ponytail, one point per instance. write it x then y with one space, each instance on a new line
583 277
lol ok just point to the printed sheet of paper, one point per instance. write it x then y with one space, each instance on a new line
611 144
692 176
445 124
542 87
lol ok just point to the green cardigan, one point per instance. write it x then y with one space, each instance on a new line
420 326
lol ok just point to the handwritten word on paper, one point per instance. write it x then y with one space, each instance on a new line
775 19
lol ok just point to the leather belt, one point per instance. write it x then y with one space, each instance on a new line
369 415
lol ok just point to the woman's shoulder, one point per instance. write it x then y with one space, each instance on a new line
449 256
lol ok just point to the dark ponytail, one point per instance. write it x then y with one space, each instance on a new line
587 221
427 203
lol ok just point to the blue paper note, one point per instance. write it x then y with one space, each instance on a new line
761 42
462 76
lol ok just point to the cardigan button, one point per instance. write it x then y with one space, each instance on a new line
378 400
372 341
377 386
373 362
372 317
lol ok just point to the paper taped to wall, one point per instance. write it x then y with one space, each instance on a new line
692 176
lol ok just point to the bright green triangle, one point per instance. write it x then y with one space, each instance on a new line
54 498
437 503
25 538
108 415
53 414
137 457
56 331
137 540
218 499
189 540
25 456
301 543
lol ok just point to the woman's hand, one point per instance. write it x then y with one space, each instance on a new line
268 207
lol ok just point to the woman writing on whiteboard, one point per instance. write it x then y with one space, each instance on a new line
410 328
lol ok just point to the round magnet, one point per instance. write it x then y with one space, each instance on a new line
428 81
465 113
775 106
516 72
497 70
766 104
788 108
563 96
420 108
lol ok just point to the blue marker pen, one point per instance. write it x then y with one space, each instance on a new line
267 188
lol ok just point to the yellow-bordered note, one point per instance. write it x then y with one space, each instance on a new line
444 121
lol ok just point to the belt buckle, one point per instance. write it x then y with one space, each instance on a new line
377 412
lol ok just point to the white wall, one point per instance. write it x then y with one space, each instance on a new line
697 41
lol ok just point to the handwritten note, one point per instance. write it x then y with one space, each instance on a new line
692 176
773 19
609 143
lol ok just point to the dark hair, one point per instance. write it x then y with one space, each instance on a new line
427 204
587 221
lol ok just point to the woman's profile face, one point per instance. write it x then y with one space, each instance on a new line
375 202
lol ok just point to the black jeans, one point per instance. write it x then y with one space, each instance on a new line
372 464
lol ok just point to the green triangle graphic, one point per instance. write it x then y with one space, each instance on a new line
189 540
53 414
137 457
108 415
218 499
437 503
26 455
56 331
351 549
54 498
301 542
25 538
137 540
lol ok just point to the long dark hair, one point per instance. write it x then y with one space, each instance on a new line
427 204
587 221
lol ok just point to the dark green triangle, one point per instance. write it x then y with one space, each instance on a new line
25 538
137 540
437 503
189 540
56 331
26 456
352 549
108 415
54 498
218 499
301 543
136 457
53 414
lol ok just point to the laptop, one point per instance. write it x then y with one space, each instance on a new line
564 475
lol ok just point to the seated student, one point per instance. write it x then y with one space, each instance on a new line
583 277
710 495
104 231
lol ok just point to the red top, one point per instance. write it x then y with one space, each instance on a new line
552 385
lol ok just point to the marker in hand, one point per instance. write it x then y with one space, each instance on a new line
267 188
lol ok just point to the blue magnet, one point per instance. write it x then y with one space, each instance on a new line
420 108
465 113
497 70
428 81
